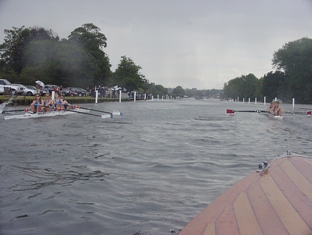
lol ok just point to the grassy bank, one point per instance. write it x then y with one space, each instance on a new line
26 100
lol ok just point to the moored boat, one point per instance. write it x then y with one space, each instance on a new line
275 200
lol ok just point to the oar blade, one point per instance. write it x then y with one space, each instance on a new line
117 113
101 111
229 111
107 116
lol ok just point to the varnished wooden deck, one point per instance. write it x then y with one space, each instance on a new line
277 202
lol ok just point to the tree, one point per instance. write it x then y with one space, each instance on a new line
242 87
295 59
178 92
127 75
157 90
78 61
11 51
89 37
16 41
273 85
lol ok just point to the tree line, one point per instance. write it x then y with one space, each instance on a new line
291 79
34 53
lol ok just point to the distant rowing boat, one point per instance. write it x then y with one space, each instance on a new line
27 115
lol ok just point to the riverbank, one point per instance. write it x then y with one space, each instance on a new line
26 100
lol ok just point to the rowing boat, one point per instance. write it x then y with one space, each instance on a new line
277 117
40 114
276 199
49 114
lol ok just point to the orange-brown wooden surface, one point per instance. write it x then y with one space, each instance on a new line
278 201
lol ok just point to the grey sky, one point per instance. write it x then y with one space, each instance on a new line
195 44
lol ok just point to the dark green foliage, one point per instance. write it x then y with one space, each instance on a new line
293 79
37 54
295 59
156 90
274 85
243 87
127 75
178 92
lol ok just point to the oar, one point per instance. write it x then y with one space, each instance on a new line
14 110
96 115
230 111
304 113
97 110
244 111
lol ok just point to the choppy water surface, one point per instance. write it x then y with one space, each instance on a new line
147 172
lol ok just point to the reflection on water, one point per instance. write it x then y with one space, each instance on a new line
147 172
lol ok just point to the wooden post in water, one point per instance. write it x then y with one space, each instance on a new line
264 100
119 96
96 96
293 102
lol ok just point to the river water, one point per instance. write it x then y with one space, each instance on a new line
147 172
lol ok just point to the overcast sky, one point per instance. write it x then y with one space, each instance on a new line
190 43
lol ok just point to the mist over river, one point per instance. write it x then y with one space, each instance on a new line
148 172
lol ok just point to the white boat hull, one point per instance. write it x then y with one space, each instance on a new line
47 114
273 117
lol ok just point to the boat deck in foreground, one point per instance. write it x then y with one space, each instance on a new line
278 201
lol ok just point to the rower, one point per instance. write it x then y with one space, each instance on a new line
37 104
65 104
275 109
57 101
278 110
47 103
270 108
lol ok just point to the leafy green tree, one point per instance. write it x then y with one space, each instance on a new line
78 61
74 65
16 41
272 85
157 90
11 51
243 87
178 92
128 75
89 37
295 60
30 75
232 88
